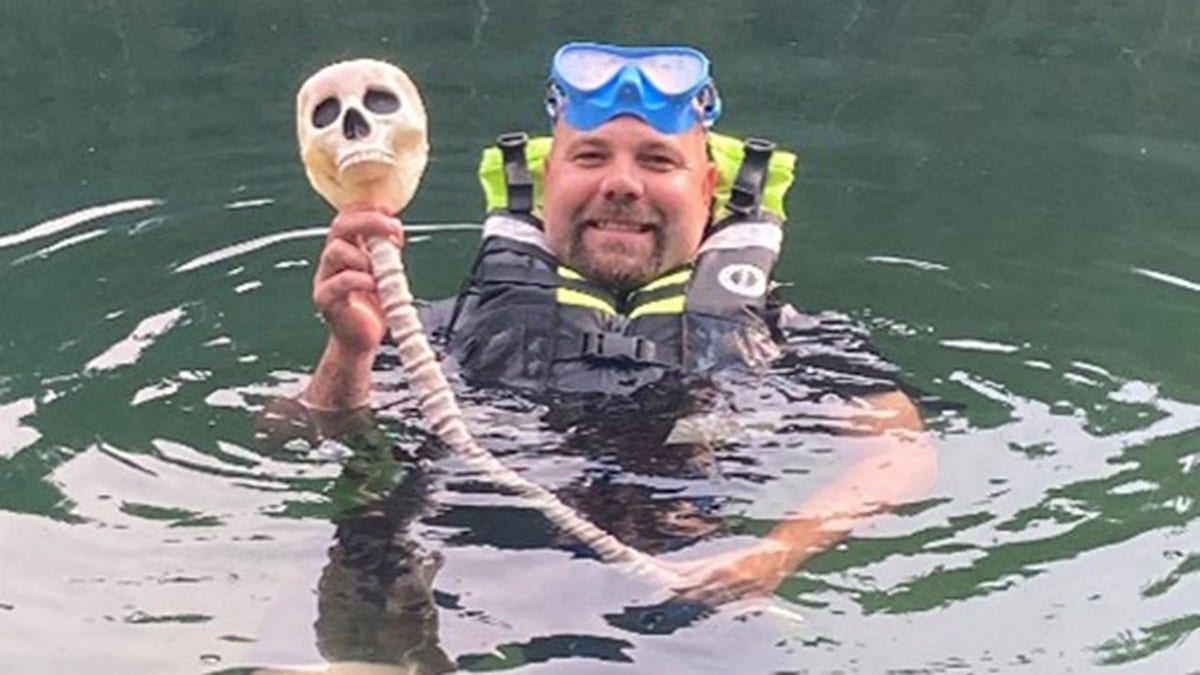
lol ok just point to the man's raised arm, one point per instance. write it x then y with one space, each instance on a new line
344 293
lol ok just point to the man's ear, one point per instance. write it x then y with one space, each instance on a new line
550 160
711 178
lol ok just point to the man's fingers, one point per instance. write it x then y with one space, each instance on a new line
694 573
721 593
337 289
712 595
354 225
340 255
702 584
719 586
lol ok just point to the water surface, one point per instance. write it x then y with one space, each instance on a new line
1003 192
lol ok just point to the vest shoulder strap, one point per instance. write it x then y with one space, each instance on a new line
515 155
518 182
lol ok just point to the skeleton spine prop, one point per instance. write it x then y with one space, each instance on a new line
362 131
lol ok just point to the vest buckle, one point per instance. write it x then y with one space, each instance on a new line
618 347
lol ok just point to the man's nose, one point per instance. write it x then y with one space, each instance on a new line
622 185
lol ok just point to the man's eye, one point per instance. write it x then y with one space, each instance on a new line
589 157
662 162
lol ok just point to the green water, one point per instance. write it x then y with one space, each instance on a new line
1003 191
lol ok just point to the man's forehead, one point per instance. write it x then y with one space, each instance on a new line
627 130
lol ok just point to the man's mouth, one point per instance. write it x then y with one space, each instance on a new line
619 226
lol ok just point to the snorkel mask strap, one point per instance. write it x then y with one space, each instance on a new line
709 101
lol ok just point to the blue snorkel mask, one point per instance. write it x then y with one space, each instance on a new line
669 88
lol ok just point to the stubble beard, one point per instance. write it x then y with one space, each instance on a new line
615 264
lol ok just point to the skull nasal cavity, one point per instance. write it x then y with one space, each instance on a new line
354 125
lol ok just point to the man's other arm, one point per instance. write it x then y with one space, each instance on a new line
899 466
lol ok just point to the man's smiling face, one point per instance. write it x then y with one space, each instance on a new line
624 203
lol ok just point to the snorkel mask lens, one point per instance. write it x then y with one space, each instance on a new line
675 74
586 69
669 88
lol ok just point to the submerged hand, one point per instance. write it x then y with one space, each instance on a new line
752 571
343 288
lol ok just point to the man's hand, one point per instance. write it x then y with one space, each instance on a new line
900 464
748 572
343 288
344 292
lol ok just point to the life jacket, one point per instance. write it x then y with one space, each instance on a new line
524 319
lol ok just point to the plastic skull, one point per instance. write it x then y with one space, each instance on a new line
362 131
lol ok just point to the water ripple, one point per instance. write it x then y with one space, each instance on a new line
257 243
128 350
16 436
971 344
911 262
1167 278
249 203
60 245
70 220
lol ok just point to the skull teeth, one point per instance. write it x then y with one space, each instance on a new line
361 156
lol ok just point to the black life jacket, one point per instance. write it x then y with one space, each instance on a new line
525 320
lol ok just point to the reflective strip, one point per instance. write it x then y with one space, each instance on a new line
742 235
570 296
578 298
568 273
515 229
668 305
680 277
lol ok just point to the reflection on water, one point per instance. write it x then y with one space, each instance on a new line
1003 192
662 469
1070 508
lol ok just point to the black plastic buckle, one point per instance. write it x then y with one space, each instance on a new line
745 197
615 346
517 181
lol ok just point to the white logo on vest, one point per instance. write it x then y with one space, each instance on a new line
743 279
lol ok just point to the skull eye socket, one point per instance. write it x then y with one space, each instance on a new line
326 112
381 101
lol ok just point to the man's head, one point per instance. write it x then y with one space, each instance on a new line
628 181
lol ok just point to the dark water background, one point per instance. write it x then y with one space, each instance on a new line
1005 192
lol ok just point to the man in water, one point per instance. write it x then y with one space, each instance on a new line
628 193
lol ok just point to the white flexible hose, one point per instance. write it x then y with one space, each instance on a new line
441 412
